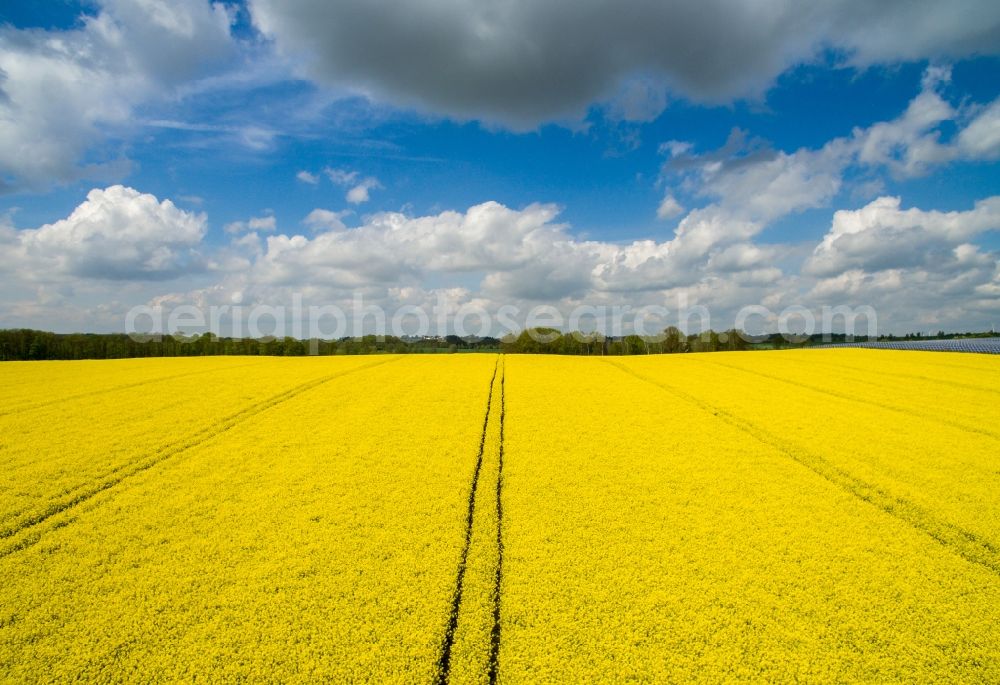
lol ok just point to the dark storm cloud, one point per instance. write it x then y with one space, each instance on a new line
522 62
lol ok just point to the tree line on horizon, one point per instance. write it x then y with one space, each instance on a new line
28 345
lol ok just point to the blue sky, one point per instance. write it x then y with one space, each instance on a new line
780 150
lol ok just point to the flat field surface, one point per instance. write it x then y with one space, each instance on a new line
812 515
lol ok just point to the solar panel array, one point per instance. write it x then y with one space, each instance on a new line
980 345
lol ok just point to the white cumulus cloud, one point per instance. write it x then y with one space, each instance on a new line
749 178
62 91
882 235
116 234
359 189
326 220
266 223
669 207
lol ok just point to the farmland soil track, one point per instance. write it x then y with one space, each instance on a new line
927 416
968 545
20 409
498 578
444 665
802 363
119 474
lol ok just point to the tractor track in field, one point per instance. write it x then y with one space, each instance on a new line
27 525
7 529
966 544
443 672
494 667
103 391
898 374
926 416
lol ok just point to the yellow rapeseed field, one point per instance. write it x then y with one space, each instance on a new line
813 515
